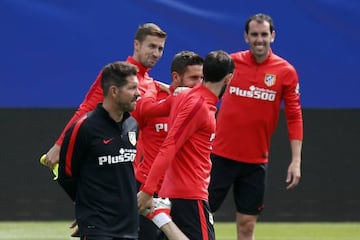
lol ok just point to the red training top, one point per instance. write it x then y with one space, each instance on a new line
184 157
250 108
153 127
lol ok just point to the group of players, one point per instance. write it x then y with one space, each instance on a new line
134 139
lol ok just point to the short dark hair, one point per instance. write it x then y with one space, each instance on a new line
217 65
183 59
147 29
116 73
260 18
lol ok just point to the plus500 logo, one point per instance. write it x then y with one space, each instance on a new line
254 92
126 155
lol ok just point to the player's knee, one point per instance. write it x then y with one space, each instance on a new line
246 223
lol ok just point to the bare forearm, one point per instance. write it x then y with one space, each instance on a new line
296 146
294 169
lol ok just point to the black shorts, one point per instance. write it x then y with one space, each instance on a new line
193 217
248 182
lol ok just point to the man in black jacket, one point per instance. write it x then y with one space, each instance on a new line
96 158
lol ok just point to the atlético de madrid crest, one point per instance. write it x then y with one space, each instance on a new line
132 138
270 79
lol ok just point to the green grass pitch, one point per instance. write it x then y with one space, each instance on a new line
224 231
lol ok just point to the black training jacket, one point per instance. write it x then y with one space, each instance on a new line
96 170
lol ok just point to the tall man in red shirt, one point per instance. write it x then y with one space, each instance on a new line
252 101
149 42
184 157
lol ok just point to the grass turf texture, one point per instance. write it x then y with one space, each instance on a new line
224 231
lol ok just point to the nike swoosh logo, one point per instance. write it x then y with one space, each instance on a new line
106 141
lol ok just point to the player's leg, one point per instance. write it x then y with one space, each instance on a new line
160 216
249 189
223 174
173 232
193 218
147 229
245 226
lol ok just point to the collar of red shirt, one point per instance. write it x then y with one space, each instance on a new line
207 94
250 56
142 69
